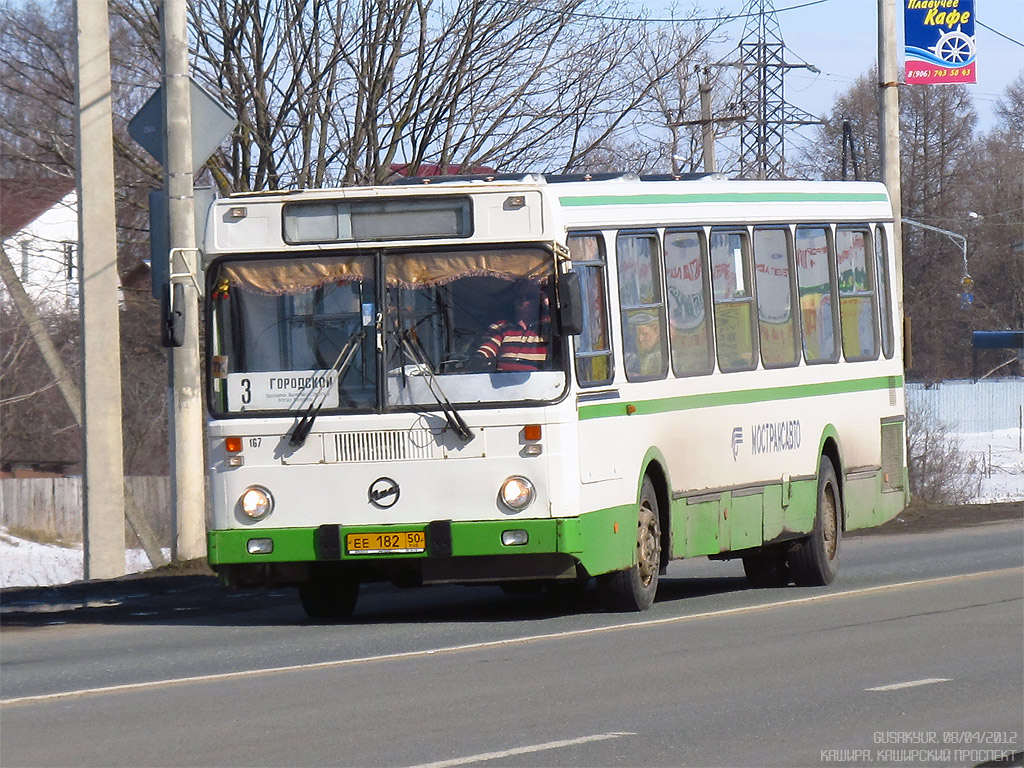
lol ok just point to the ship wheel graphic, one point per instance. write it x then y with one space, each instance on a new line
954 47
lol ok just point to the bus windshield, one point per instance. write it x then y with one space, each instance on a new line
388 330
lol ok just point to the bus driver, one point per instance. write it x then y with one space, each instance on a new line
520 344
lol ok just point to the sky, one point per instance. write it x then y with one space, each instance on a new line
845 47
840 38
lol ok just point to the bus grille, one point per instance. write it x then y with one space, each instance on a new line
892 456
390 445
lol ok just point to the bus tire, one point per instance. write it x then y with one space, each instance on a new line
329 598
634 588
766 568
814 561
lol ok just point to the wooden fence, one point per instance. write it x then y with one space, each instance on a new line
52 506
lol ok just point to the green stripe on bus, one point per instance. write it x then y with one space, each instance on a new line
726 197
742 397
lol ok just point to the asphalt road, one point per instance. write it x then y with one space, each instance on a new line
915 656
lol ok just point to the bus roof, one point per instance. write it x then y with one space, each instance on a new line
579 202
606 190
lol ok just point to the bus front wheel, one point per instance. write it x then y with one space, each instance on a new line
329 597
814 562
634 588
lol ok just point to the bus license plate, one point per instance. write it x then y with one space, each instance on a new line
391 543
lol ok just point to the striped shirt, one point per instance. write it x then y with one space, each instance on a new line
514 347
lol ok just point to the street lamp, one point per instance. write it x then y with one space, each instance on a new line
966 282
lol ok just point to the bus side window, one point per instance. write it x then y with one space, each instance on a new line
773 265
734 304
857 314
593 345
686 280
643 308
884 294
817 300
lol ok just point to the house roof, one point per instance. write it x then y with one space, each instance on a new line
23 201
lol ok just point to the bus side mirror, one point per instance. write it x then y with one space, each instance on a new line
570 304
172 315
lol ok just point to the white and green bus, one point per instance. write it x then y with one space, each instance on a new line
529 380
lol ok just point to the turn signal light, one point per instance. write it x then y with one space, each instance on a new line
233 444
531 432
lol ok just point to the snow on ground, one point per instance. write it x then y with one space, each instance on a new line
1001 461
30 564
26 563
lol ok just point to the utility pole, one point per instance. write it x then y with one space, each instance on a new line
103 525
188 493
707 123
889 127
707 130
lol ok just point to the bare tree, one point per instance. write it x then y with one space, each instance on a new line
822 157
340 93
995 197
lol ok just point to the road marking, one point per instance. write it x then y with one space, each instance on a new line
910 684
523 750
241 674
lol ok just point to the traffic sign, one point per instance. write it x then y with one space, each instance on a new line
211 124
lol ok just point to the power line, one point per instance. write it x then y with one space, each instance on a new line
996 31
671 20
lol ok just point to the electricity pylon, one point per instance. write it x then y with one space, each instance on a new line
766 113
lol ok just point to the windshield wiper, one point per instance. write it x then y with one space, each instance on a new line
455 421
305 424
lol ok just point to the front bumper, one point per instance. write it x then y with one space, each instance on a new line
454 551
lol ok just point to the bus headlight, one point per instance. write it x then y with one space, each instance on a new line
517 493
256 502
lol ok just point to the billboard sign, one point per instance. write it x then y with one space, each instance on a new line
940 44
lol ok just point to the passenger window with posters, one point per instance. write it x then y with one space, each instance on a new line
772 265
817 303
593 345
643 310
734 315
856 297
686 281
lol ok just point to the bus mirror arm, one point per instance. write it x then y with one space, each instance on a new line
570 304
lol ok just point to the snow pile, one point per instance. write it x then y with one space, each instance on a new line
26 563
1000 462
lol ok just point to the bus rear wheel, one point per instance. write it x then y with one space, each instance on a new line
634 588
814 562
329 597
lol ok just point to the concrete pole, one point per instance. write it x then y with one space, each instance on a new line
188 495
889 127
99 282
